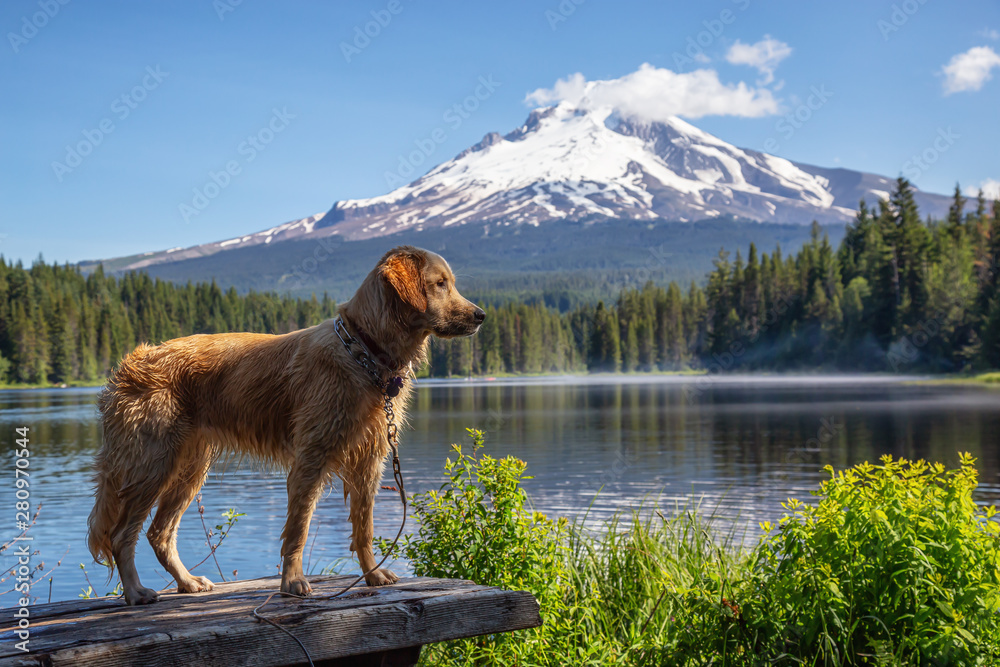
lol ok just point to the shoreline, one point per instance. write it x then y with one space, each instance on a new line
990 379
987 379
697 376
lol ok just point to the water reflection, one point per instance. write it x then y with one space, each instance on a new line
742 445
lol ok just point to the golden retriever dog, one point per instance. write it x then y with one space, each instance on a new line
301 401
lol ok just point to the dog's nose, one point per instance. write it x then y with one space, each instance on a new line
479 315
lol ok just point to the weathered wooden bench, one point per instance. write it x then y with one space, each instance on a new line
367 626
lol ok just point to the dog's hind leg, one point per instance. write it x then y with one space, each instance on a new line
175 499
361 480
150 471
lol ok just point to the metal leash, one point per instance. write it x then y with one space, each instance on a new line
390 389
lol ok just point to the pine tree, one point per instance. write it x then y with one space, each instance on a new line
22 337
989 271
605 345
695 318
856 294
990 336
852 249
647 348
751 292
489 342
62 351
720 301
630 350
955 215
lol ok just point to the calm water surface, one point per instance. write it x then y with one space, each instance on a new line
739 445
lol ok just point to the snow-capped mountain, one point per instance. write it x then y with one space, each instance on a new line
566 162
283 232
569 163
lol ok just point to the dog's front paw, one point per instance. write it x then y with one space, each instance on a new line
296 586
195 585
380 577
141 595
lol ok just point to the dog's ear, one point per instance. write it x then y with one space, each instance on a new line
402 271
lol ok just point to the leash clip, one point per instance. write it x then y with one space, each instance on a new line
393 386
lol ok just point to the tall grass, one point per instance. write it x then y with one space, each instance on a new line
655 585
895 565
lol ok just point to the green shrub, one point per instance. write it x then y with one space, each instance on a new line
896 564
477 526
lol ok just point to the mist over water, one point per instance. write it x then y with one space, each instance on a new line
738 445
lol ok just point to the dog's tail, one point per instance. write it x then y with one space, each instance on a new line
102 519
107 502
130 396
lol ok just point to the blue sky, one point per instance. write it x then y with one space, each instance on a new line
182 86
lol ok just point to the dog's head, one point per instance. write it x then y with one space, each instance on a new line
424 285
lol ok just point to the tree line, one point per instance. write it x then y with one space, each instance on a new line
899 293
58 325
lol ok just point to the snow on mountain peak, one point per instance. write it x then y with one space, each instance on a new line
583 157
571 162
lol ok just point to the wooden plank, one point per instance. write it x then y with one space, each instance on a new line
218 627
401 657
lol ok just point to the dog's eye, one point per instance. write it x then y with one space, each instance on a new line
442 282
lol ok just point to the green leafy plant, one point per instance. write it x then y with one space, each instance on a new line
89 593
478 526
231 517
896 562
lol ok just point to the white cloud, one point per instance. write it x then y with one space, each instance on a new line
656 94
764 56
970 70
989 33
990 188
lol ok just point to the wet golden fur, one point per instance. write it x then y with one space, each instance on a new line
296 400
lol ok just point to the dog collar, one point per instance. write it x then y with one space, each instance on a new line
390 387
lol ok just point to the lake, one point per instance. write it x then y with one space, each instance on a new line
739 446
